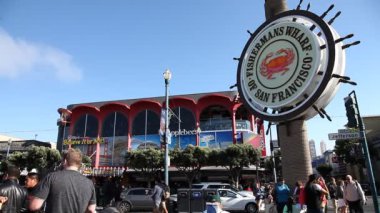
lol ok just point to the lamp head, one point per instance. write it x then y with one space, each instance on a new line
167 75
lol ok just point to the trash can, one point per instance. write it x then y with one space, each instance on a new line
183 200
197 201
171 206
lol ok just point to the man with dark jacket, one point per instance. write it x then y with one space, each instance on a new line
11 189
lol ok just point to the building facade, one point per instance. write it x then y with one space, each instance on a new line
372 130
105 131
323 147
313 151
8 145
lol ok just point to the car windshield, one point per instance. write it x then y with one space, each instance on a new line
214 186
195 186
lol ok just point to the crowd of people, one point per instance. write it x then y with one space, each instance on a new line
67 190
346 195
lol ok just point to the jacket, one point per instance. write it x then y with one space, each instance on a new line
16 196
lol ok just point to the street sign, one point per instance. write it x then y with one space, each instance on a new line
344 136
347 130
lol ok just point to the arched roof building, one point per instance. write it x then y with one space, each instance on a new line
106 130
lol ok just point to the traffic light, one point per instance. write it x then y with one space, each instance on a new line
351 112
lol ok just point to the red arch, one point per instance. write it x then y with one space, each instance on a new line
215 99
114 107
187 103
79 110
145 104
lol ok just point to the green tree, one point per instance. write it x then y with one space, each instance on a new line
18 159
324 170
42 158
235 158
53 158
349 151
269 164
86 161
189 161
148 162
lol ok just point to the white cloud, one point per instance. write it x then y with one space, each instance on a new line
18 56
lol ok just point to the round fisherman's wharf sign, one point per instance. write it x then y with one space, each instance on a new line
285 70
277 66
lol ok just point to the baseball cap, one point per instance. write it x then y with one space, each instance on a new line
33 171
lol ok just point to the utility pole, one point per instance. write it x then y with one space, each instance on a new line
272 152
354 120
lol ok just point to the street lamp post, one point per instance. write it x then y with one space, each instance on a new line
167 77
9 146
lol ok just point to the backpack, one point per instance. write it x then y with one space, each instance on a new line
165 192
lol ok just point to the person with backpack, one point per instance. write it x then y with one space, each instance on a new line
354 195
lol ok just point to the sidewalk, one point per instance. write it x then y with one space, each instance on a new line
368 208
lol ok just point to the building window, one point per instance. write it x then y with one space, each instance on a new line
215 118
115 124
145 130
115 135
183 128
86 126
182 119
146 122
242 119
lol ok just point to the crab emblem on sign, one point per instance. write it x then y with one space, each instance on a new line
276 63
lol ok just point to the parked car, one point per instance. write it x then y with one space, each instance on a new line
234 201
220 185
231 200
211 185
135 199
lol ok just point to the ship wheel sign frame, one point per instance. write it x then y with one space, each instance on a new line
291 66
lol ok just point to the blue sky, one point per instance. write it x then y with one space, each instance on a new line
56 53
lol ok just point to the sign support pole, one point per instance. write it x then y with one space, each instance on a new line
363 141
292 135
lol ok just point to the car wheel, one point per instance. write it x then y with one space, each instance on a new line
124 207
251 208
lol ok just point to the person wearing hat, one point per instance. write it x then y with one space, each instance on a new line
16 194
31 180
214 204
